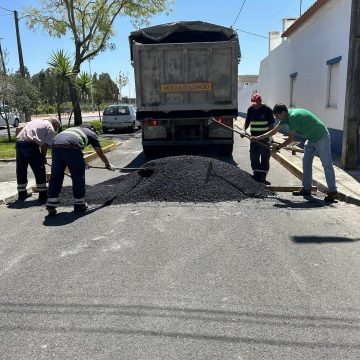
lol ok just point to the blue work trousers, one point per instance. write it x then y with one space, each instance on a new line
321 147
260 157
73 159
28 153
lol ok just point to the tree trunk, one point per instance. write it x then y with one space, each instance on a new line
99 112
58 110
8 130
76 104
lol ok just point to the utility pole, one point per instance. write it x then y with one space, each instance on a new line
350 147
21 60
300 7
2 58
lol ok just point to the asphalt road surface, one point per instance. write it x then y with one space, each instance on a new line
255 279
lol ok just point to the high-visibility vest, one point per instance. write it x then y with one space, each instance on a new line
259 125
83 139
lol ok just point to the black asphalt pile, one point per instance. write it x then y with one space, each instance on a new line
175 179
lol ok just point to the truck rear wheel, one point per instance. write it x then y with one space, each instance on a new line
150 151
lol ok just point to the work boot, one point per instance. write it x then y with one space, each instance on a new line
263 179
23 195
80 207
302 192
51 210
331 196
256 176
43 197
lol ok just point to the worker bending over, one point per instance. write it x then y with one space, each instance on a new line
67 152
32 144
310 127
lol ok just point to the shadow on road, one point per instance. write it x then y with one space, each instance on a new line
64 218
322 239
149 314
23 204
308 203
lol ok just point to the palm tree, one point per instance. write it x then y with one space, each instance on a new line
60 65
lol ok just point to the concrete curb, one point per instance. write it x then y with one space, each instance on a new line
90 157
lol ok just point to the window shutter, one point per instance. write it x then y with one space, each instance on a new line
292 91
333 85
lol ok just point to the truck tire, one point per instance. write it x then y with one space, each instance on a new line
16 122
133 127
226 149
105 130
150 151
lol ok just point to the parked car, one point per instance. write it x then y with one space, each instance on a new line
14 118
120 116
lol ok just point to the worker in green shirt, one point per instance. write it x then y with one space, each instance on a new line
304 123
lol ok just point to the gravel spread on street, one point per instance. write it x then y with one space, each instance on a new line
183 178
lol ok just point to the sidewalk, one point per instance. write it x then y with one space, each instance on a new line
348 182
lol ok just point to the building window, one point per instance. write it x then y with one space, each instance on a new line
292 89
333 81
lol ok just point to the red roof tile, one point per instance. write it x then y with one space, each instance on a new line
305 16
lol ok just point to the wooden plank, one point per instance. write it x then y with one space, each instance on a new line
288 165
288 188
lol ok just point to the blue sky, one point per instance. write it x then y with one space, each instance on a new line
257 17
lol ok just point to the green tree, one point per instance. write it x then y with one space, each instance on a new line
61 66
108 87
91 25
46 83
16 93
105 90
122 80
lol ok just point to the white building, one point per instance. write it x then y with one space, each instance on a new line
309 68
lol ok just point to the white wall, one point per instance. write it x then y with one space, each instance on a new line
323 37
244 96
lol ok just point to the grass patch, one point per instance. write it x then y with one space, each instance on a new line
7 149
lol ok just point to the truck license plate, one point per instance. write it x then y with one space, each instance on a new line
154 132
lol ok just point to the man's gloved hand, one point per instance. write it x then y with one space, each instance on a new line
110 167
275 148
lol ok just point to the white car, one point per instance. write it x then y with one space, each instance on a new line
120 116
14 118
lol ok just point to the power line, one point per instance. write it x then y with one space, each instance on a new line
247 32
6 9
239 12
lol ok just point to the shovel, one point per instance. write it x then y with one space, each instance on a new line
241 133
293 149
143 172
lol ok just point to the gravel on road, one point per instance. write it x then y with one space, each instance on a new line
183 178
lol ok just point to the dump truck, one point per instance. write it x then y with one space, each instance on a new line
185 75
